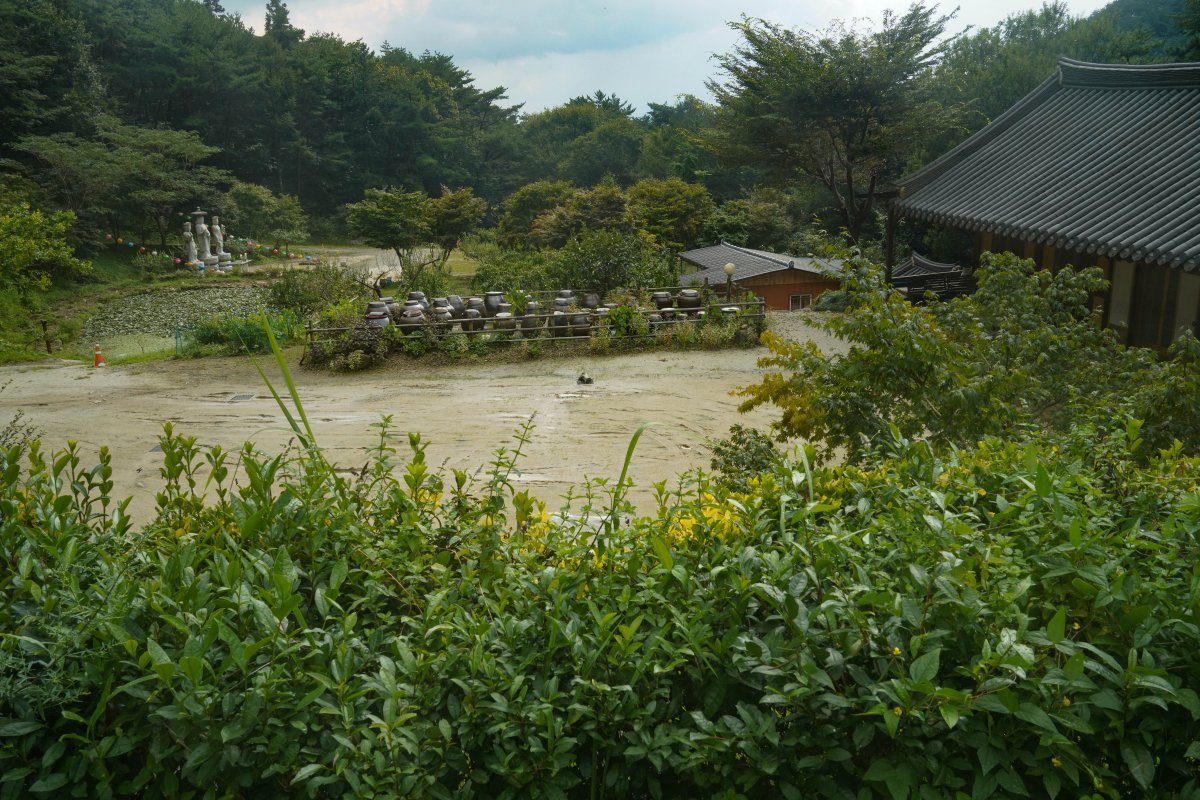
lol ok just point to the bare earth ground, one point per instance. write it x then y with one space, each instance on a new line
463 411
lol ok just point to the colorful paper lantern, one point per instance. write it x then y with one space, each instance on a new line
120 241
108 237
275 252
141 249
178 261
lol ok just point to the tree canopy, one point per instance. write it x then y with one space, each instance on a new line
33 247
126 111
843 108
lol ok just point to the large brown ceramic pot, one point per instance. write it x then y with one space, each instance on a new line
491 303
688 299
533 318
580 324
411 319
558 324
378 319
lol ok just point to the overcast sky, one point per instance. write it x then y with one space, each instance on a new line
548 51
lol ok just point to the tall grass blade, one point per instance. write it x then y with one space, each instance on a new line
611 521
301 427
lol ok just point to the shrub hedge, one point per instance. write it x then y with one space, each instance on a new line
998 620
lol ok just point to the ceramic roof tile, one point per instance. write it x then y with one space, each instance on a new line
749 263
1101 159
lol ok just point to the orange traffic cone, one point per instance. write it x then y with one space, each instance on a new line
98 359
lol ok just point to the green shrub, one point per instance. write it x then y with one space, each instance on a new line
240 334
479 345
745 454
500 270
455 346
1024 355
309 291
418 344
1006 619
832 300
600 261
600 341
681 335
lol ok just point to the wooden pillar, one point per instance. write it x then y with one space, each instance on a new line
1049 255
889 258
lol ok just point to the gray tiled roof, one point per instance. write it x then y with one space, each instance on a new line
918 265
1100 159
712 260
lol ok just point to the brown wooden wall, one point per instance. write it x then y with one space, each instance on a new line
776 288
1148 305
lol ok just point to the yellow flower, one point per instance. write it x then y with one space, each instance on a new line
1056 761
895 651
898 711
982 492
1066 701
1074 626
681 528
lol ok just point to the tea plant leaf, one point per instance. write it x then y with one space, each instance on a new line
950 714
18 727
663 552
160 661
1053 784
49 783
306 772
1057 626
925 668
1036 715
1139 760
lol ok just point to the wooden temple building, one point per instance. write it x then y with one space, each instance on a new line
1100 165
783 281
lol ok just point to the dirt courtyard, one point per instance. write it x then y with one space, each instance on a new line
464 412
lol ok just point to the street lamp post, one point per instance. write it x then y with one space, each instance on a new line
730 268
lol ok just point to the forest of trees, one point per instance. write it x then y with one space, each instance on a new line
128 112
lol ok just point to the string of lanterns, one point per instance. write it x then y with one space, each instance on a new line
249 245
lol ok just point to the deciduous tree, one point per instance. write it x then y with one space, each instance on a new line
841 108
33 248
671 210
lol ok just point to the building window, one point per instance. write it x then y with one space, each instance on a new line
799 301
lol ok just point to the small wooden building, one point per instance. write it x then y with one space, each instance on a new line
920 276
1100 165
783 281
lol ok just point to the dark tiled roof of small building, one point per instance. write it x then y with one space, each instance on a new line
1100 158
918 266
712 260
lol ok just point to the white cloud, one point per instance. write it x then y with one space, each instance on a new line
547 51
648 73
